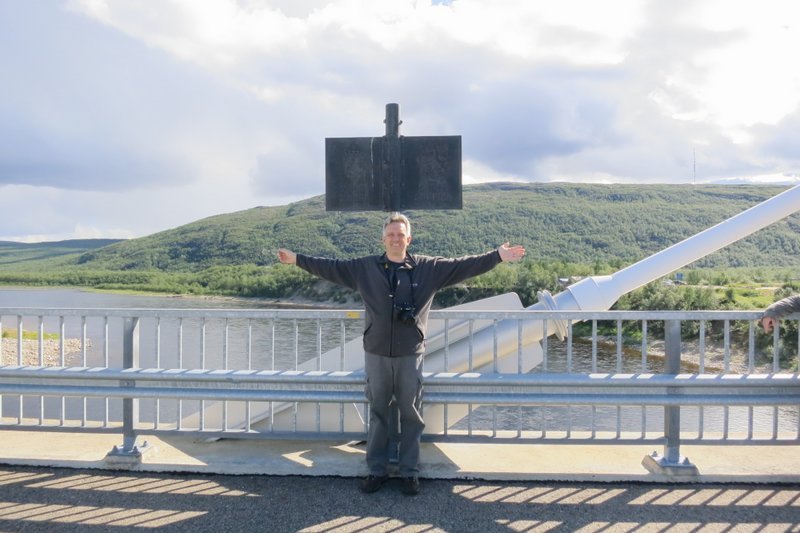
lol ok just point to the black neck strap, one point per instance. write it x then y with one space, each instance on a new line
391 268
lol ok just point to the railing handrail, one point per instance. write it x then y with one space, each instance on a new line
355 313
344 377
443 387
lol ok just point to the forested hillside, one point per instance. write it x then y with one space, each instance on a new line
611 224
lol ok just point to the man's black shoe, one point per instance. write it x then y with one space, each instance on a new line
410 486
372 483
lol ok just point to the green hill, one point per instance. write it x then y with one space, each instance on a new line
613 224
601 227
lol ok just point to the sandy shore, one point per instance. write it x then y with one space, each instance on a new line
51 351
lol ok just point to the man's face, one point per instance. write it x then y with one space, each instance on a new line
396 239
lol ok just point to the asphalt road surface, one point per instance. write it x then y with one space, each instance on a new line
55 499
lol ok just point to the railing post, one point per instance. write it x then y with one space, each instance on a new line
671 462
672 414
129 452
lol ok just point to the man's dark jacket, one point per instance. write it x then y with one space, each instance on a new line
417 281
784 307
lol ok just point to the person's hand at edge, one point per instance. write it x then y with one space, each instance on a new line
287 257
511 253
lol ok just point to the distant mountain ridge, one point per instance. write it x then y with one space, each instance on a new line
77 244
21 253
575 223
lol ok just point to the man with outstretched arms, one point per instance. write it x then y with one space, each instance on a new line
397 288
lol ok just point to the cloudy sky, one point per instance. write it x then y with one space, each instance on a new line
121 118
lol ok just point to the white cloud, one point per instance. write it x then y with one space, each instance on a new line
129 117
216 33
748 76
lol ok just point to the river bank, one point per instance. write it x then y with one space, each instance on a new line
50 352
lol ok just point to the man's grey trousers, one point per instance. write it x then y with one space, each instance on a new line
399 378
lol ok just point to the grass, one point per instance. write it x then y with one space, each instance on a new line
747 297
29 335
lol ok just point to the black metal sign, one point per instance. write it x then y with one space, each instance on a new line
392 173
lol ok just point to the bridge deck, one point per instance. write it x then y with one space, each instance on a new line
730 463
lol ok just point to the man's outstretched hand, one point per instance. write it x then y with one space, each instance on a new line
768 323
287 257
511 253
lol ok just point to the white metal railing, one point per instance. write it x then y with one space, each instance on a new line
293 373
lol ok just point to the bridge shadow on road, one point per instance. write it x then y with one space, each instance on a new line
55 499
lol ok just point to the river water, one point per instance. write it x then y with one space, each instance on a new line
285 344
